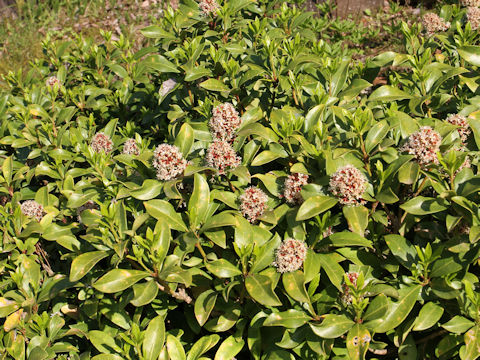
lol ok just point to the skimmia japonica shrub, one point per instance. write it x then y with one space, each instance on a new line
232 190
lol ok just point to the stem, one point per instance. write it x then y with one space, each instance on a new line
199 247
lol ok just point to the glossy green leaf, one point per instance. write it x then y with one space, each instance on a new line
458 324
294 285
199 201
119 279
204 306
83 263
154 338
175 348
332 326
315 205
289 319
429 315
421 205
223 268
260 289
163 210
229 348
358 341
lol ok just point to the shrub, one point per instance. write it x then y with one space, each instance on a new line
235 191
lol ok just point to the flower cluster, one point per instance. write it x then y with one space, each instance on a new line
167 86
224 122
462 123
292 187
168 161
89 205
434 23
130 147
31 208
423 145
253 203
348 184
346 295
222 156
475 3
101 142
473 17
290 255
52 81
208 7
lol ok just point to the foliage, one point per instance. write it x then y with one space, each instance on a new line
148 251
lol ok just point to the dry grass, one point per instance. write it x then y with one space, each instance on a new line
22 32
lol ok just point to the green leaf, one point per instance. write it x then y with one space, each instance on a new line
346 238
458 324
339 78
150 189
428 316
332 268
175 348
202 346
7 170
290 319
154 338
358 340
223 268
204 306
387 93
103 342
377 308
403 251
214 85
472 344
163 210
421 205
315 205
398 311
144 293
357 218
161 242
199 201
160 64
119 279
185 138
260 289
332 326
83 263
375 135
470 53
294 285
229 348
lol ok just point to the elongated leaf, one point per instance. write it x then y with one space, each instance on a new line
428 316
377 308
119 279
398 310
315 205
332 268
289 319
357 218
294 285
260 289
229 348
144 293
163 210
223 268
402 250
204 306
375 135
202 346
175 348
421 205
154 338
472 344
83 263
358 340
470 53
388 93
458 324
214 85
150 189
332 326
199 201
345 238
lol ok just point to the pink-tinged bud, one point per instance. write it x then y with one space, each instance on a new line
292 187
253 203
222 156
433 23
33 209
475 3
346 296
52 81
423 145
208 7
130 147
224 122
169 162
101 142
461 121
290 255
348 184
473 17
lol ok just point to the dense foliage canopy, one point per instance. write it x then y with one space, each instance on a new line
242 189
